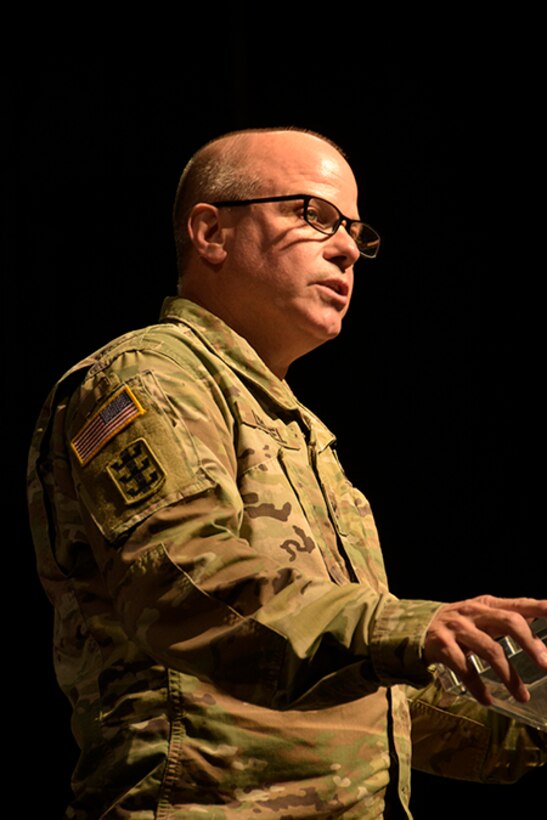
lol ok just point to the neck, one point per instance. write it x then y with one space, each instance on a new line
276 358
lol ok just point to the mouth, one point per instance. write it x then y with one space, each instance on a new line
338 286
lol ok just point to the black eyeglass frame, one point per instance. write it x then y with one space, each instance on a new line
364 249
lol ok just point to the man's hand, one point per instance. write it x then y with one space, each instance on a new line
472 626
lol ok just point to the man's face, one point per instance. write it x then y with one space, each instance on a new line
288 285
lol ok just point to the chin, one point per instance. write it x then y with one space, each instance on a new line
313 332
331 330
325 333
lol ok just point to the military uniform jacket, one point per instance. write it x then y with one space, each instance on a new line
224 628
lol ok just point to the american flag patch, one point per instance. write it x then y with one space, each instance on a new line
110 418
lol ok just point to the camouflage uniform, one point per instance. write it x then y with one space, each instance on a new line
223 624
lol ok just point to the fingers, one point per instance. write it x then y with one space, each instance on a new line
444 649
528 607
472 626
453 650
499 622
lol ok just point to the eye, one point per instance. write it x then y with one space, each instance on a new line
321 214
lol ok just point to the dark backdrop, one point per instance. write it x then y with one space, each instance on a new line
434 387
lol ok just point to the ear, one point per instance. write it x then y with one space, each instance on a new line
206 233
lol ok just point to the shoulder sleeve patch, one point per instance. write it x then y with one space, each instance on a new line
136 472
118 412
132 457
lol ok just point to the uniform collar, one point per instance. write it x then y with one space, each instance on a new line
229 346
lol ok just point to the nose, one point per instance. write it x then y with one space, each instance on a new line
341 249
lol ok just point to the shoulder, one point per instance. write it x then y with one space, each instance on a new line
134 423
160 359
158 376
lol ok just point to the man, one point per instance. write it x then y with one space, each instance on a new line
224 628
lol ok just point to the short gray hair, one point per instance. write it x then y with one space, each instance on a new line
211 175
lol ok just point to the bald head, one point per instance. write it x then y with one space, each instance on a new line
239 165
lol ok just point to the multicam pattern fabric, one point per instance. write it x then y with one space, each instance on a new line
224 628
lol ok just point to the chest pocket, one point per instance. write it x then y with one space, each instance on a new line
352 516
285 509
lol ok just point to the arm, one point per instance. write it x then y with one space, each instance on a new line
213 554
193 548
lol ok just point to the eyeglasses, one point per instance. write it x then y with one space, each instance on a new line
324 217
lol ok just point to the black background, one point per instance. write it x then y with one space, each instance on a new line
434 388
